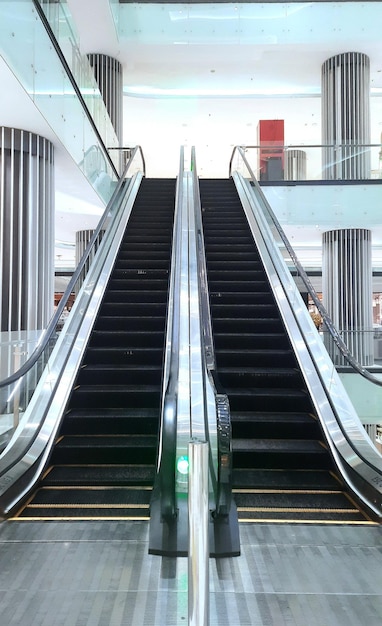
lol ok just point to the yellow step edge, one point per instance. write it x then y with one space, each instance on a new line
295 510
272 520
289 491
88 506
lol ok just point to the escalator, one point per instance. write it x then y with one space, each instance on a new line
282 467
103 462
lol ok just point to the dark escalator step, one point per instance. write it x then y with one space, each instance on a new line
138 283
238 237
90 512
257 377
119 309
236 264
280 454
111 421
102 495
246 424
112 449
139 264
143 274
214 249
116 396
127 339
268 399
247 324
243 310
130 322
104 375
284 479
229 286
99 475
145 241
219 256
255 358
137 295
241 298
237 275
238 341
312 507
125 355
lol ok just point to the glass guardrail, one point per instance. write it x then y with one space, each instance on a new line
28 51
63 27
347 351
272 162
25 354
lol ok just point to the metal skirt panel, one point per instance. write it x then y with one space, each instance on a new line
347 289
345 100
108 73
27 230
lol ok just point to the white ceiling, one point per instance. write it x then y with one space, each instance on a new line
204 75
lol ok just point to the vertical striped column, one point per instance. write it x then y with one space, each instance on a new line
345 98
109 76
83 238
347 289
295 165
26 230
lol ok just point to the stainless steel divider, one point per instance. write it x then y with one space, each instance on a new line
198 522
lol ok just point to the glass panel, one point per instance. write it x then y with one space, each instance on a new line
335 341
304 162
29 53
17 347
63 27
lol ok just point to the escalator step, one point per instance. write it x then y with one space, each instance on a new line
279 454
116 374
126 339
279 479
90 512
130 323
239 341
99 475
124 355
254 358
267 425
116 396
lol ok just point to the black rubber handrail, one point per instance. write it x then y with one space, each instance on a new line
168 430
222 483
334 333
51 328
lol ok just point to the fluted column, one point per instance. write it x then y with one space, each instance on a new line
347 289
83 238
346 116
26 230
109 76
295 165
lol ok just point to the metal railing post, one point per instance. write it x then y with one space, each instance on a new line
198 523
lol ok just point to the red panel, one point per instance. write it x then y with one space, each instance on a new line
271 152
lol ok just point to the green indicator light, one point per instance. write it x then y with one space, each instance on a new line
182 465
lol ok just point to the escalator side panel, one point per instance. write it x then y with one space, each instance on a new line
282 469
103 463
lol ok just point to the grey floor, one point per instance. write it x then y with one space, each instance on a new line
100 574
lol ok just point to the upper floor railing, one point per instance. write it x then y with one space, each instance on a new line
272 162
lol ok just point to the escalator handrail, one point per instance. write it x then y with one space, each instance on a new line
168 428
222 483
334 333
52 325
52 37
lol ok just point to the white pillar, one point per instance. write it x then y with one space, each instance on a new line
26 230
346 116
347 290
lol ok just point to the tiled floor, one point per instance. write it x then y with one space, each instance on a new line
100 574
